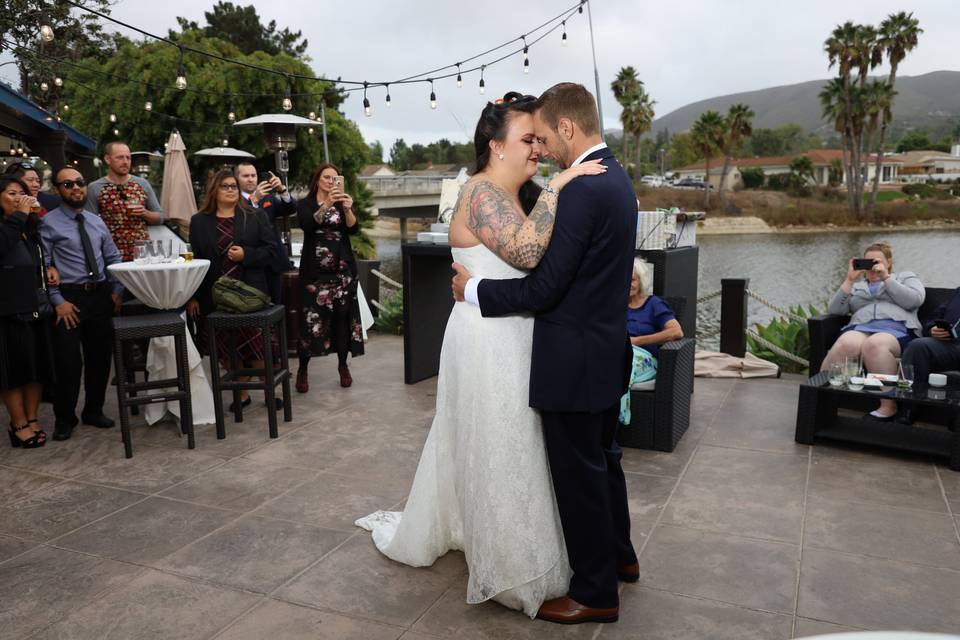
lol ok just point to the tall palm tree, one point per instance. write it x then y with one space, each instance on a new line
835 108
843 50
642 121
708 136
625 88
739 126
898 36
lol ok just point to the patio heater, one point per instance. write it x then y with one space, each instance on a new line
142 160
280 136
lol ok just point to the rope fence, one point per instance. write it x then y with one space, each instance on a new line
777 350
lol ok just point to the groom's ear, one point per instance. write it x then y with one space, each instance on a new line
565 128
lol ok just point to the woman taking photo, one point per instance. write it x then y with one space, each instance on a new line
884 319
328 275
25 355
238 243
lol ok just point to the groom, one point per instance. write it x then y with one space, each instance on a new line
581 353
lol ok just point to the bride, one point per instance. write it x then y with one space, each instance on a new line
483 485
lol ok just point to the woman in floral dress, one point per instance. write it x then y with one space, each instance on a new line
328 275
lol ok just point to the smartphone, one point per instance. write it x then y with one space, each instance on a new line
863 264
946 326
338 181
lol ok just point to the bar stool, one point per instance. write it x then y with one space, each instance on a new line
135 359
268 321
127 330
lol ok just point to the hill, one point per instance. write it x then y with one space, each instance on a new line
930 101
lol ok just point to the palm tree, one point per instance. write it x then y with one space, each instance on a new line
708 136
739 125
836 110
625 88
642 121
842 49
899 35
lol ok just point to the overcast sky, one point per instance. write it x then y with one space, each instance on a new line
684 51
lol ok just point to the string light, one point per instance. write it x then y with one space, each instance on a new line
148 103
225 142
433 96
113 117
116 132
580 8
66 107
13 149
20 147
312 115
367 109
563 38
526 65
526 48
46 31
232 114
387 101
459 77
483 85
58 81
181 73
44 87
310 130
287 103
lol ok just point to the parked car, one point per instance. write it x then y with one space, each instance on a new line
652 181
690 183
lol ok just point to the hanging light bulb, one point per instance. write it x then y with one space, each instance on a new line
232 115
225 142
148 105
66 107
433 96
287 102
526 49
113 117
459 77
13 149
46 30
310 130
44 87
526 65
20 147
367 109
563 38
181 74
387 101
26 155
483 85
116 131
580 8
312 115
58 81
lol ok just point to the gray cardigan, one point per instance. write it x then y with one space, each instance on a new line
898 299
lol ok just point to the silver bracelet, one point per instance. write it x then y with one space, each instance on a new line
550 189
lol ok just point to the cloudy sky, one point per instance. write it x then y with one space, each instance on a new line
684 51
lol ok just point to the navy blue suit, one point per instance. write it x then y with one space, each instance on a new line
580 367
274 207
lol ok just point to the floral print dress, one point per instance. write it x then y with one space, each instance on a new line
331 313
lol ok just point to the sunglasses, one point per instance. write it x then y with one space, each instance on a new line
70 184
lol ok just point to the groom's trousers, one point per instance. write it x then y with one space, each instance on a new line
592 499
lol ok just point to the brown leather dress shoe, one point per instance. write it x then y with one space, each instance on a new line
566 610
345 378
629 572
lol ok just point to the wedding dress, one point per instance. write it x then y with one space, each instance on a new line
483 483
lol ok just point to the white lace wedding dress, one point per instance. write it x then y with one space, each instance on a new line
483 484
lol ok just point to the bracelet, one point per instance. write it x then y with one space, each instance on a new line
550 189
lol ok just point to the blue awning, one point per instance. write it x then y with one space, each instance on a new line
22 107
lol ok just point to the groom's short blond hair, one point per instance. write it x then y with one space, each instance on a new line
570 100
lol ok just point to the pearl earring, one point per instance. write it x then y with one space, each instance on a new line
500 155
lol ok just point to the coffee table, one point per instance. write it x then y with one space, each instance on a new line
817 418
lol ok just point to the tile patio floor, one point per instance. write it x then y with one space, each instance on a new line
742 533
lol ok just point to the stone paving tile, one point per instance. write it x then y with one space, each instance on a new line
154 605
659 463
17 484
334 501
146 532
62 508
748 493
87 449
755 417
241 484
357 580
872 593
306 448
253 554
284 621
657 615
951 487
751 573
646 495
42 585
883 481
152 469
10 547
912 536
452 617
806 627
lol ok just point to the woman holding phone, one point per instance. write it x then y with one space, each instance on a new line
328 275
883 306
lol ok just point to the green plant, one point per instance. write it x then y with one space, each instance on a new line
753 177
390 318
923 190
789 334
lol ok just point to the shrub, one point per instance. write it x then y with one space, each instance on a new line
791 335
390 318
925 190
778 182
753 178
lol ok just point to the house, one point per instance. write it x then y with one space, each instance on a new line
920 166
377 171
822 159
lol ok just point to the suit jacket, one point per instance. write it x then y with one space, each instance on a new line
274 207
251 231
579 292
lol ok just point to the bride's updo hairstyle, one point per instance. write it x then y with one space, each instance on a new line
492 125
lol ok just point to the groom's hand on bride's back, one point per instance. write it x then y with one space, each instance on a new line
460 279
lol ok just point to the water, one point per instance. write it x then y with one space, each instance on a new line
791 268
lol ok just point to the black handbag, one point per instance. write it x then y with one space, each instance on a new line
44 304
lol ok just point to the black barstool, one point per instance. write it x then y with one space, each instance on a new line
127 330
268 320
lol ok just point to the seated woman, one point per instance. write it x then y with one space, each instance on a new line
650 323
884 319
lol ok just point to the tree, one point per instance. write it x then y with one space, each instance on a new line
738 125
708 137
914 141
77 34
801 170
785 140
899 35
400 155
682 150
242 27
376 152
625 88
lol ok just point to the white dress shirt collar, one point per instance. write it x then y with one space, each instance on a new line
586 153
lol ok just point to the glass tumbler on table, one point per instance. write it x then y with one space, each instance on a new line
905 376
838 374
186 252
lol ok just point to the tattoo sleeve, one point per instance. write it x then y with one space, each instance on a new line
496 221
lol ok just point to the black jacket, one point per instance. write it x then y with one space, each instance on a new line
306 207
273 208
251 231
949 311
20 266
581 352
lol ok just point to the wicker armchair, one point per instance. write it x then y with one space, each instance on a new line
660 417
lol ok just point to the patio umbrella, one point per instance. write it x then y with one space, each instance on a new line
177 198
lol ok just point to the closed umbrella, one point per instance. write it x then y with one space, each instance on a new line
177 198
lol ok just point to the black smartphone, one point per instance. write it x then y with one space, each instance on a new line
863 264
946 326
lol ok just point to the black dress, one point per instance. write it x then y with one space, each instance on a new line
26 355
328 276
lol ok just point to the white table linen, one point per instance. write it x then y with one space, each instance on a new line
168 286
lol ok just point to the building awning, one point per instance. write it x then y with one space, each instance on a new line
22 118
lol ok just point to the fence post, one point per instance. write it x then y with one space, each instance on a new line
733 316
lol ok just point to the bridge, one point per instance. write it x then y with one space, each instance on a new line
406 197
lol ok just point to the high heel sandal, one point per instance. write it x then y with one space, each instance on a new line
39 432
37 440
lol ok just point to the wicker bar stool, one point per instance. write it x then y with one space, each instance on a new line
269 320
130 329
135 359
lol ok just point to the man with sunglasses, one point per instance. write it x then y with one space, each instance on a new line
80 245
127 203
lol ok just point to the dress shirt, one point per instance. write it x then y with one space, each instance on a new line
60 234
470 291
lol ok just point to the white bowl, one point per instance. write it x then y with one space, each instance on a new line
937 380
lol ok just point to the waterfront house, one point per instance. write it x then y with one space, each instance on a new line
920 166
